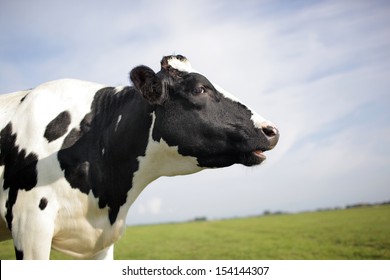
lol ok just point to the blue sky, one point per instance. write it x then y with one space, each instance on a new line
320 70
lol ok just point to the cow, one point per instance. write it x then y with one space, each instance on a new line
74 155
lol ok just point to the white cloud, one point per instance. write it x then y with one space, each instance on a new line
151 206
154 205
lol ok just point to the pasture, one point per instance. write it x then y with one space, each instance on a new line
358 233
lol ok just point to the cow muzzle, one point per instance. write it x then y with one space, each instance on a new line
271 133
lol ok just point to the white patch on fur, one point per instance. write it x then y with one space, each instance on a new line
119 89
181 65
4 231
31 117
117 122
8 104
28 218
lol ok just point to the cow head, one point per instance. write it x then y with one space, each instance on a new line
200 118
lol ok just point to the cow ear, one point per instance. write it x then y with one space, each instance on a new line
148 84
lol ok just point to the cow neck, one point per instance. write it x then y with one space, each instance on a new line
107 152
123 140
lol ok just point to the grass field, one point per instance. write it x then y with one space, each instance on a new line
358 233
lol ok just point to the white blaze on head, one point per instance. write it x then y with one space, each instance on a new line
181 65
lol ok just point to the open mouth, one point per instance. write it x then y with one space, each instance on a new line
251 158
259 154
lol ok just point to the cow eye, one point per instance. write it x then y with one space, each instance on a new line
199 90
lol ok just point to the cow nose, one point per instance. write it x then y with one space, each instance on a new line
272 134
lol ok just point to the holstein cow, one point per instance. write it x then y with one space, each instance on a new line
75 155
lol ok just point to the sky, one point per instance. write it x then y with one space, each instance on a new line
319 70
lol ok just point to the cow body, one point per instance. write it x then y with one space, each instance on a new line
75 155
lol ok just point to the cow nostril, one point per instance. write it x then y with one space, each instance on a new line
270 131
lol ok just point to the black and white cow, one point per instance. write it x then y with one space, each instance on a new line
75 155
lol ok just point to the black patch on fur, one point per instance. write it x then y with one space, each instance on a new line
19 254
20 172
75 134
24 97
43 203
58 126
109 176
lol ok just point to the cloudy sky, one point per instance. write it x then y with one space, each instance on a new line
320 70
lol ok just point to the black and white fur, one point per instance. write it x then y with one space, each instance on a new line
75 155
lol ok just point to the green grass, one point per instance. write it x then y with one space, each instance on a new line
359 233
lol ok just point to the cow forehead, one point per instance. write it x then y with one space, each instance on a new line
182 64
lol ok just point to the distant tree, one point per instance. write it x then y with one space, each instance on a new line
200 219
267 212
